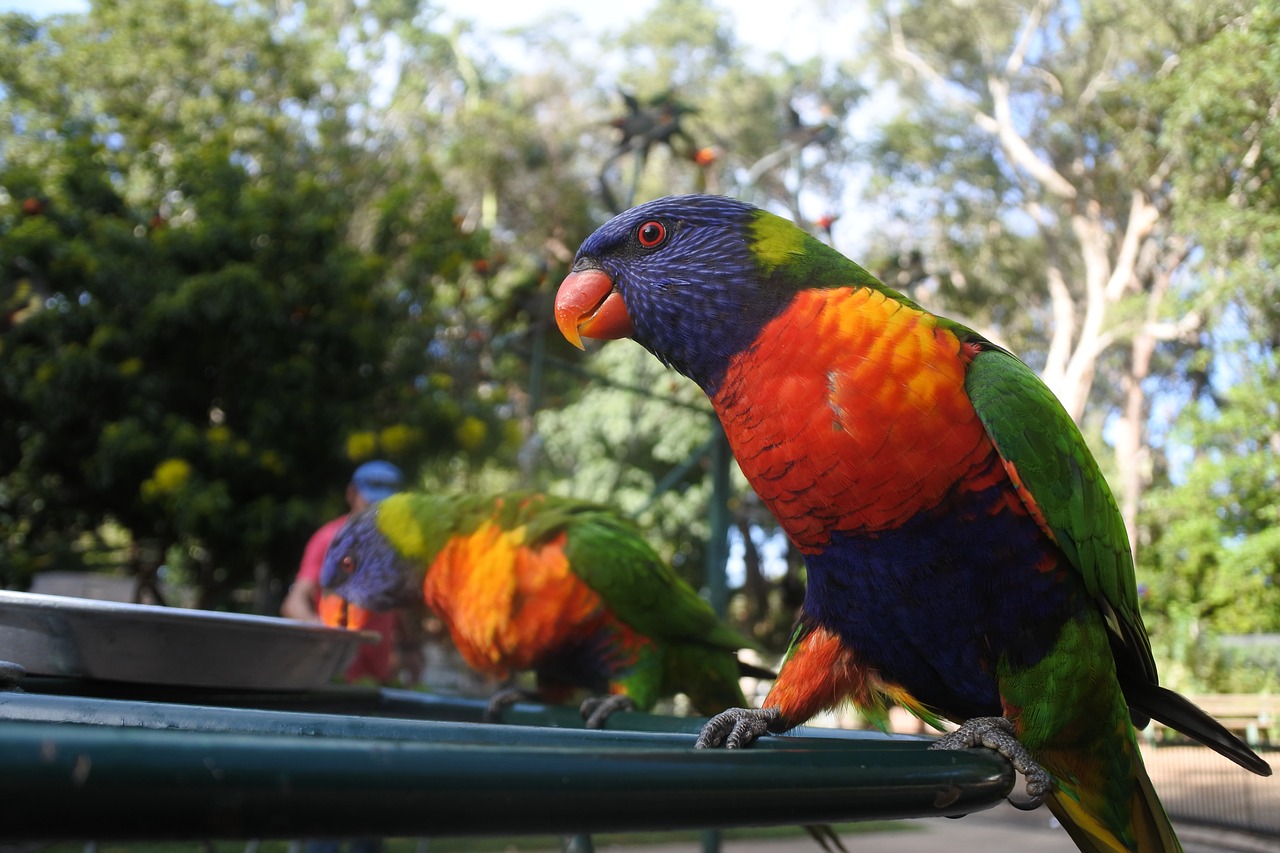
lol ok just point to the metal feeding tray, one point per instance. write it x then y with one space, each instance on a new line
142 643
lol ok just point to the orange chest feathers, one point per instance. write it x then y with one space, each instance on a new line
507 605
849 413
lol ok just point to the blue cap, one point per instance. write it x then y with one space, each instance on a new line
377 480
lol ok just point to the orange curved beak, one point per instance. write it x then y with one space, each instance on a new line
337 612
587 305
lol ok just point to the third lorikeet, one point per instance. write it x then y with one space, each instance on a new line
965 557
526 581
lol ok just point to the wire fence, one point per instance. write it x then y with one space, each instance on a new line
1194 783
1199 786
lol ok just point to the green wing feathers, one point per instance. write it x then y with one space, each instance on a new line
1062 486
611 556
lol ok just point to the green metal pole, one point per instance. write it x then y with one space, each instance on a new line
718 555
395 715
108 782
531 450
718 514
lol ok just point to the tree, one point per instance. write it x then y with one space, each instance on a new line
763 127
1030 149
1214 558
213 352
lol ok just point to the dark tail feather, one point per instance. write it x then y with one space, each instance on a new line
750 670
1179 713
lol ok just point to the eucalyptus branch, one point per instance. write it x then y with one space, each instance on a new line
1050 79
1019 54
1064 324
999 125
1099 81
908 58
1103 341
1143 216
1250 158
1178 330
1019 151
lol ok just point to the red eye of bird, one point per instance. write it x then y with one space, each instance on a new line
651 233
348 565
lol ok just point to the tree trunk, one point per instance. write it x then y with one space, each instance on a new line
1132 451
1105 282
267 593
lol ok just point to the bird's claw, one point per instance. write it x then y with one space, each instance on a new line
501 701
737 727
997 733
596 710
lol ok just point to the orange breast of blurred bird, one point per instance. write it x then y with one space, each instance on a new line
509 605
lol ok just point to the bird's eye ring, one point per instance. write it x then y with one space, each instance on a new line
652 233
347 564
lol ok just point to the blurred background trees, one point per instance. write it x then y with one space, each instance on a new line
246 245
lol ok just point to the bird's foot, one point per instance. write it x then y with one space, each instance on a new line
596 710
997 733
738 727
504 699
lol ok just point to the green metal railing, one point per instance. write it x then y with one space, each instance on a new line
341 762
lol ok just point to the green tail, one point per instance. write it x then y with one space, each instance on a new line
1073 717
1108 803
705 674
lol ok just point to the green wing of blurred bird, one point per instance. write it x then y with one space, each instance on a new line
965 557
526 581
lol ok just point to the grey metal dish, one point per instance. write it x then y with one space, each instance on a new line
86 638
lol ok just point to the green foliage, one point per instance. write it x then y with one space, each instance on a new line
613 445
194 345
680 43
740 110
1213 562
193 383
1214 557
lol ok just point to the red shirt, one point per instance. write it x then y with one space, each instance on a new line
372 660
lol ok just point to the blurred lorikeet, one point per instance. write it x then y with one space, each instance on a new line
965 557
525 581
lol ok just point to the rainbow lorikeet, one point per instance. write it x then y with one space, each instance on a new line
965 557
526 581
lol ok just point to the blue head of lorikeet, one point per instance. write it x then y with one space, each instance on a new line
693 279
363 568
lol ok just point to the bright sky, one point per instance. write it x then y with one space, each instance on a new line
768 23
795 29
42 7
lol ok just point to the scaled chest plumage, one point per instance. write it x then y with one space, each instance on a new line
849 414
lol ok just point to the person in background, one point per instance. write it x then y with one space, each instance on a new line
370 483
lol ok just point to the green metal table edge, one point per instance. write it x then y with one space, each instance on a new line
89 768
